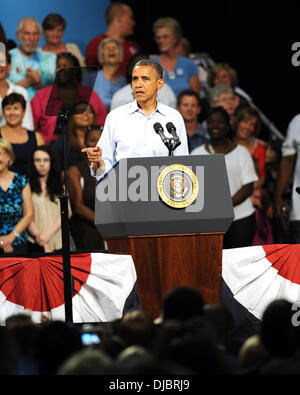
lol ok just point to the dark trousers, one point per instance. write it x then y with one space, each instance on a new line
240 233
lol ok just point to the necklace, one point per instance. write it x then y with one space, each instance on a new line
227 149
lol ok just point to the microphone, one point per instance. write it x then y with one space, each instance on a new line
172 130
297 190
160 131
175 140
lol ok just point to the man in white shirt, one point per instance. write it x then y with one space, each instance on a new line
128 131
290 165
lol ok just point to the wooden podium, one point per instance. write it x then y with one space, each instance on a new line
170 246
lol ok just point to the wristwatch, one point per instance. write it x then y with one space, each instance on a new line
16 234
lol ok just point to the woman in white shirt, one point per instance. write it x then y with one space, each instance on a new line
241 177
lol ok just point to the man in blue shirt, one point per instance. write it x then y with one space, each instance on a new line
31 68
189 106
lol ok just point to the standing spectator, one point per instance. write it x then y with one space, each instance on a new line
120 22
16 205
125 95
224 96
7 87
82 116
180 72
31 67
46 123
81 186
23 141
289 166
54 26
189 106
46 187
247 125
241 176
224 74
108 79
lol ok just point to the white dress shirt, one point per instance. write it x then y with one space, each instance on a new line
129 133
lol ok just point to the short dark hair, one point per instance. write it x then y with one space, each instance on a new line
188 92
13 98
150 62
53 20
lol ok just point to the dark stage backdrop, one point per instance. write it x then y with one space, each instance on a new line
254 37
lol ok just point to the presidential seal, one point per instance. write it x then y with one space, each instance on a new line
177 186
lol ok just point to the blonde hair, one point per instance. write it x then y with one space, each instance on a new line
170 23
103 44
222 66
7 147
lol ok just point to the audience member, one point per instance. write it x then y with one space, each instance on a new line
86 362
180 72
125 95
31 67
247 125
108 79
46 187
137 328
82 116
23 141
81 186
189 106
182 303
224 96
56 342
66 91
224 74
289 166
241 176
120 22
184 49
280 226
54 26
7 87
16 205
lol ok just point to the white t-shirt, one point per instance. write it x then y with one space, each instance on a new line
28 119
241 171
291 146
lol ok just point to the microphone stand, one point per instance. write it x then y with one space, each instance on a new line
63 117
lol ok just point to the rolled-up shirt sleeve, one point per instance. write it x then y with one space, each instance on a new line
292 140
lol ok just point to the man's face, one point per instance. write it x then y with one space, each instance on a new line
127 22
145 83
189 108
29 37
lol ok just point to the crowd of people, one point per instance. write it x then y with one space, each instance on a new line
36 83
189 338
38 87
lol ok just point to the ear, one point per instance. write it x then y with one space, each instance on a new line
160 83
